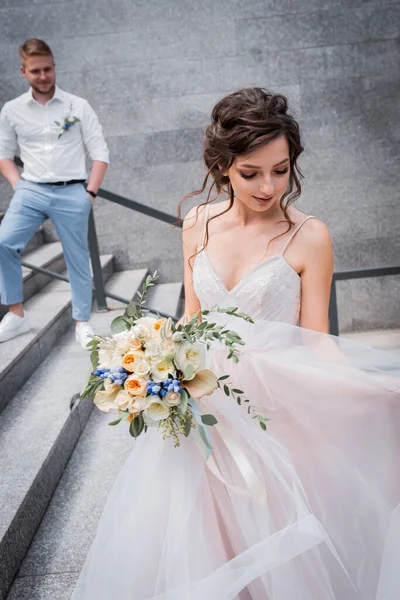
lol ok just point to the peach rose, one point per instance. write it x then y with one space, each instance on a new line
136 385
129 359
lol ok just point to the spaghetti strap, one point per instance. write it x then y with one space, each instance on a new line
296 229
206 215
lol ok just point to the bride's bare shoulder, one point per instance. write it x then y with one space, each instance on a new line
196 215
314 240
317 232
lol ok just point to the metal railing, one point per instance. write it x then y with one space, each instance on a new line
346 276
101 294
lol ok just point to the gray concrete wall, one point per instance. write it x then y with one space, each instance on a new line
154 69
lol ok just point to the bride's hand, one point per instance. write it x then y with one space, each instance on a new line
185 319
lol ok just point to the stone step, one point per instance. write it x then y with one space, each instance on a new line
48 256
50 313
385 339
59 548
123 284
166 297
38 433
62 541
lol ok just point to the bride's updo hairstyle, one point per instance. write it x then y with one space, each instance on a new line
241 123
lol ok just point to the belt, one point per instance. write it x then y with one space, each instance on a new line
63 183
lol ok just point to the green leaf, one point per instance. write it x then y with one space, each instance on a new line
209 420
94 356
223 377
93 344
263 426
188 427
136 426
115 422
119 324
238 391
226 390
93 385
57 123
184 401
131 310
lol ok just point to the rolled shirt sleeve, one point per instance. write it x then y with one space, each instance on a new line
8 137
93 137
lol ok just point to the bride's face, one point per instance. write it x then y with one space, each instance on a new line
259 179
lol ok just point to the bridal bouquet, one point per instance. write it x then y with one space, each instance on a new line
151 372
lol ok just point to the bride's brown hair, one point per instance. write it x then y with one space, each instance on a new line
241 123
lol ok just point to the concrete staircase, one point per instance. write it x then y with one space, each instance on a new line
58 458
41 375
62 541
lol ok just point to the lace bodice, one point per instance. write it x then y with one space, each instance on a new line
269 292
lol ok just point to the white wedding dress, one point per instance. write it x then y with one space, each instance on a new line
309 509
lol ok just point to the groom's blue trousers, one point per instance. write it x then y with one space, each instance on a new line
68 207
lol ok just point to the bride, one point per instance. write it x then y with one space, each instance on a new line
310 509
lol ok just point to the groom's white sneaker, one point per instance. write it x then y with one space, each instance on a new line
83 333
13 325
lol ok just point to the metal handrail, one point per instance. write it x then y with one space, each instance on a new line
348 275
140 208
98 284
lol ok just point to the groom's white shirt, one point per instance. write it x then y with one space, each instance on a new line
26 124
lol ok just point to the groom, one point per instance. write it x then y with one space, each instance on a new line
52 129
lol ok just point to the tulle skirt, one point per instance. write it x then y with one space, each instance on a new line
321 520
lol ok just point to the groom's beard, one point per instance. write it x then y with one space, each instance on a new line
44 89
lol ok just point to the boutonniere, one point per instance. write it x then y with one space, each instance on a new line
69 121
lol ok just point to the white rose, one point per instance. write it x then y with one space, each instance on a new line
141 367
123 400
153 348
145 327
172 398
189 358
126 341
138 404
148 322
155 411
109 359
160 370
142 333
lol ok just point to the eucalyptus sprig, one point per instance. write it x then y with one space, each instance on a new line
135 310
238 395
200 329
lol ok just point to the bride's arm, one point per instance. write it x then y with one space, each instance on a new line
192 227
316 276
